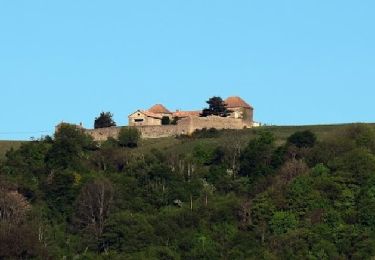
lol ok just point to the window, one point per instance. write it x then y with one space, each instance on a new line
138 120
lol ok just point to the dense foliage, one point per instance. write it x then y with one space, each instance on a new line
216 107
299 198
105 119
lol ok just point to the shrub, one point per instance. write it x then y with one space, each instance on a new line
129 137
206 133
283 221
302 139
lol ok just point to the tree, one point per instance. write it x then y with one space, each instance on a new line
127 232
208 190
302 139
233 146
256 158
18 237
129 137
69 147
59 191
93 205
105 119
13 206
21 242
363 135
217 107
283 221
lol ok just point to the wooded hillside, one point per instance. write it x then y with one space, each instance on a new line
265 193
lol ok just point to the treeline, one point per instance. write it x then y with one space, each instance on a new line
303 198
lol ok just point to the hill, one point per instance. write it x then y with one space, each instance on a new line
303 192
243 136
281 133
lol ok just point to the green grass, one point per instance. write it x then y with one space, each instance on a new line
186 145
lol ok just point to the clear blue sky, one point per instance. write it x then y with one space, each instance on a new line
296 62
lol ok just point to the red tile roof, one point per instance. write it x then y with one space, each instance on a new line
235 101
159 109
151 114
182 114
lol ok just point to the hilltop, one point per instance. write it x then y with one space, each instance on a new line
6 145
170 143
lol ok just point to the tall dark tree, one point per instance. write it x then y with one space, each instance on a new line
256 159
216 107
105 119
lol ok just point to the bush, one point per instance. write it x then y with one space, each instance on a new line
283 221
206 133
302 139
129 137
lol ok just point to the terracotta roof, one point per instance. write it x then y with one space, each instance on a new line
235 101
159 109
151 114
186 113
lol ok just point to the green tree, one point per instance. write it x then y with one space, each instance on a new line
29 158
302 139
127 232
363 135
60 192
105 119
129 137
69 147
216 107
256 158
283 221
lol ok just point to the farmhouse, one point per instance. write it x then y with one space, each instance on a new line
154 115
158 121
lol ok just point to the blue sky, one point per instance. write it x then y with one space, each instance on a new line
297 62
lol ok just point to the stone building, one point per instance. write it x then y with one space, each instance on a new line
150 122
154 115
240 109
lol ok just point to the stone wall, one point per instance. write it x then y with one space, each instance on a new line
158 131
215 122
102 134
184 126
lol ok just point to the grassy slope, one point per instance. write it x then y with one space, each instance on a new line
6 145
281 133
186 145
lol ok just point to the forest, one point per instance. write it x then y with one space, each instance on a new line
262 193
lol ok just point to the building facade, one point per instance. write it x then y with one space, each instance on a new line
154 116
158 121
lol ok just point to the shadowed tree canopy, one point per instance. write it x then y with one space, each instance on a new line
105 119
216 107
129 137
302 139
69 147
